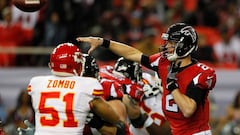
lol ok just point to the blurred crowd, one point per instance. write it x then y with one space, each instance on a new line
136 22
12 118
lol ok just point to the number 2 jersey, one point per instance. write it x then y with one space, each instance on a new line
197 75
61 104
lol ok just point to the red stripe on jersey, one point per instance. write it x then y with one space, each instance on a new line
97 92
29 88
145 81
145 108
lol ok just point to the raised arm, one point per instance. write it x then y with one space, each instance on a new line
118 48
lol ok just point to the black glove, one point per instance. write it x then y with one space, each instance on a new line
121 128
94 120
171 78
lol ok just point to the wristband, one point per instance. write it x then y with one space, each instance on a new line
106 43
96 122
171 85
121 128
148 122
140 121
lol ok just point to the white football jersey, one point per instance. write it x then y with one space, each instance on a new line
152 106
61 104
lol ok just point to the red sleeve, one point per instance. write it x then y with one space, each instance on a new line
206 80
112 89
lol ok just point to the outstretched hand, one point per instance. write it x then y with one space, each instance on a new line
93 41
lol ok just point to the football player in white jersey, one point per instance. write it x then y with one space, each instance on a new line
63 100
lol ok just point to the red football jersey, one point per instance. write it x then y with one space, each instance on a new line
203 77
112 89
131 88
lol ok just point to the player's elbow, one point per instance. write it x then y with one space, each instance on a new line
188 112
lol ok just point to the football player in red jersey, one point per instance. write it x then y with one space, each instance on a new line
186 82
113 94
128 74
146 117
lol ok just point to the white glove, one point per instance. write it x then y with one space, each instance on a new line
26 131
150 91
89 117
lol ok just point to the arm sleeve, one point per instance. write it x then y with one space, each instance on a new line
196 93
145 61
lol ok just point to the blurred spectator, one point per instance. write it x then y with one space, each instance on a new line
231 118
153 8
11 35
205 52
3 111
231 128
147 43
56 32
207 13
212 35
135 31
27 19
3 4
175 11
122 20
23 111
227 50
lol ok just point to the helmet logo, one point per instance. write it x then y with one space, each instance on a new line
122 68
63 66
165 36
76 57
189 31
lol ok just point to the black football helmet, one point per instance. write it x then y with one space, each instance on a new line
184 36
129 69
91 68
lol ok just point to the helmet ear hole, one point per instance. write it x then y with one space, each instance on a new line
179 49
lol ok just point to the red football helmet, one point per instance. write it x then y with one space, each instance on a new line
66 59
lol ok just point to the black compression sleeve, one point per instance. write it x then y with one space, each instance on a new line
196 93
96 122
139 121
145 61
